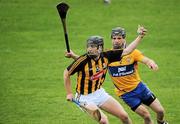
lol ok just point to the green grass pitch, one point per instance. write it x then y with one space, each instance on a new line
32 55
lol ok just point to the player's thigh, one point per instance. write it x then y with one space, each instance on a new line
113 107
156 106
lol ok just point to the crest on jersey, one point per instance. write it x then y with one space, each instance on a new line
128 59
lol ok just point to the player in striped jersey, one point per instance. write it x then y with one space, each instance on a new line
91 70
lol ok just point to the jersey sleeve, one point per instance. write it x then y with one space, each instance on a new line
75 66
113 55
138 56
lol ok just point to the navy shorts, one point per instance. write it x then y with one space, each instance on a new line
140 95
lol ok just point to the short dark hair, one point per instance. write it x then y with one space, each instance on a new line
118 31
95 40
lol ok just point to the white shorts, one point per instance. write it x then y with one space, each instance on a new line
99 97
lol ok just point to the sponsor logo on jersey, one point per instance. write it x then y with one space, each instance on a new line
97 75
118 71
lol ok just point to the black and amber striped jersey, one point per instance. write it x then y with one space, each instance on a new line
90 73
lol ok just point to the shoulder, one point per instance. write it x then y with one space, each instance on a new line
81 58
112 51
78 63
113 55
136 52
138 55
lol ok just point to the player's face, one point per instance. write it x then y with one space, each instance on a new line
118 41
93 51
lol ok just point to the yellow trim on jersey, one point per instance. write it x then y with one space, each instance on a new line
79 80
77 63
94 72
86 81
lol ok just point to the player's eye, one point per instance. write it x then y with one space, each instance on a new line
92 45
114 38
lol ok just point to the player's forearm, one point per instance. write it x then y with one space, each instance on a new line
132 46
150 63
72 55
146 60
75 56
67 82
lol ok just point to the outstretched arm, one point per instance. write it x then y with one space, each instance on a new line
71 54
150 63
67 84
141 33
